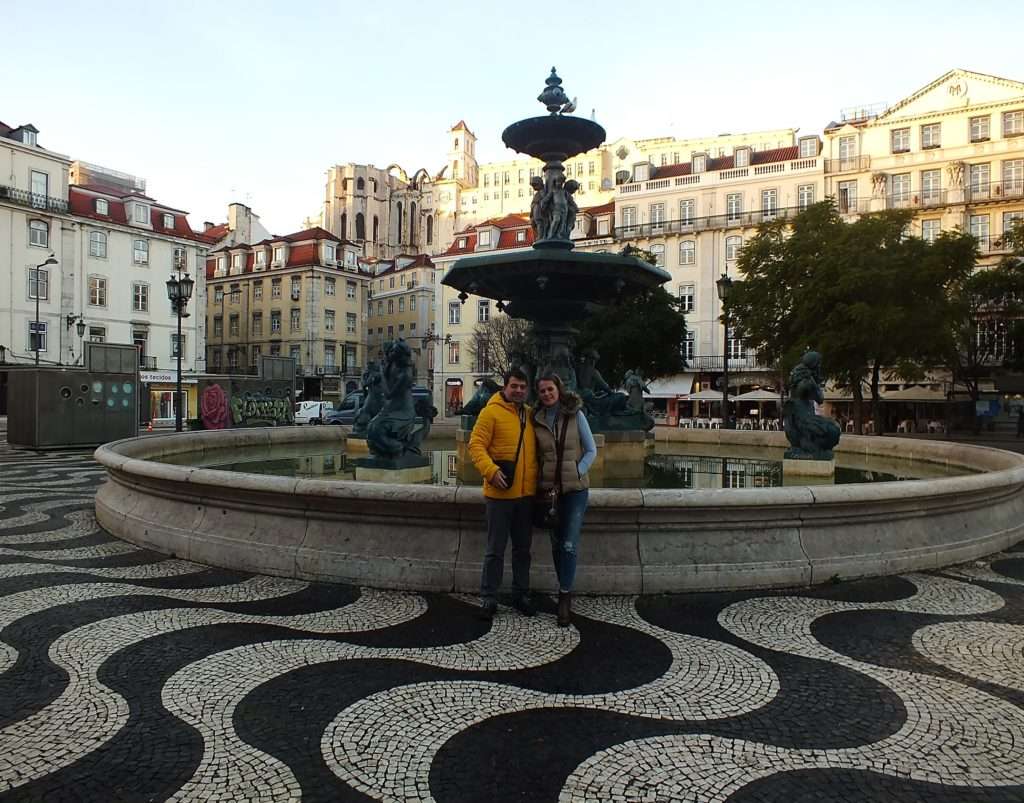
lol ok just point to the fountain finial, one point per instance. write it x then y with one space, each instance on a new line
553 96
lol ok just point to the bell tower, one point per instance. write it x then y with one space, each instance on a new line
462 155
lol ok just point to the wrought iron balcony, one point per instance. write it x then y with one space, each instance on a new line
749 362
995 191
734 220
44 203
147 363
923 199
848 165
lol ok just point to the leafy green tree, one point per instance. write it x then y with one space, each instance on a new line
645 332
867 296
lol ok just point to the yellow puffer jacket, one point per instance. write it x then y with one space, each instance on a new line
495 437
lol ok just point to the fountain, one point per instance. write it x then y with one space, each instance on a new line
174 495
552 286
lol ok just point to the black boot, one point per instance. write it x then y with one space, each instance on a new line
564 608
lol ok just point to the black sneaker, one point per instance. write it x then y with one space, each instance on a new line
487 609
524 606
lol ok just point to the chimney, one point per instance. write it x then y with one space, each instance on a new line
207 225
240 222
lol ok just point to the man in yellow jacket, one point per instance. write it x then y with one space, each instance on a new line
504 451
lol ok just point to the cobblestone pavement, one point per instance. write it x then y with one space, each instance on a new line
128 676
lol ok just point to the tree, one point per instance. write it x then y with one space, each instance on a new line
645 332
986 328
866 295
499 343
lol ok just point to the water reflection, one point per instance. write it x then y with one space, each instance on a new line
661 470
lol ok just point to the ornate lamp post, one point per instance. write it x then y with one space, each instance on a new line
50 260
69 321
724 285
179 291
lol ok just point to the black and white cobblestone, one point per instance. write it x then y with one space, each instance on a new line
125 675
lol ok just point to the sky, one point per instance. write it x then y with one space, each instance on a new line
253 101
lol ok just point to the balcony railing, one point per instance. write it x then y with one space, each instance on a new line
995 191
749 362
925 199
44 203
690 225
147 363
848 165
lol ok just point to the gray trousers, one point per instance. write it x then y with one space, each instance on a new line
507 518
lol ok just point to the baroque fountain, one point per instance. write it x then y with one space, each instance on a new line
184 494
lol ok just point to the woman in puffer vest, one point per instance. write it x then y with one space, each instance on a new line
560 411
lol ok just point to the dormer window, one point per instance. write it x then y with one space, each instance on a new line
520 236
462 242
741 157
328 252
699 163
28 137
484 238
140 213
102 207
168 221
278 254
808 147
642 171
261 257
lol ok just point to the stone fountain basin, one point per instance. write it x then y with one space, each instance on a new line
635 541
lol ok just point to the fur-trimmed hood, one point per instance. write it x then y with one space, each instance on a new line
570 402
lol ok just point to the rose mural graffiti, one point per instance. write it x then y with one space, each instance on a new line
246 403
213 407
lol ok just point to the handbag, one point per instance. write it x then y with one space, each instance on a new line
545 508
508 467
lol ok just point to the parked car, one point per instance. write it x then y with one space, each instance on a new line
345 413
311 412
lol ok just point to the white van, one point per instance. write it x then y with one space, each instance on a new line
311 412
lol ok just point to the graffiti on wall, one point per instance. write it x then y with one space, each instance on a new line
247 404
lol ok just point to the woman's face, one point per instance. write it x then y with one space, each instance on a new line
547 392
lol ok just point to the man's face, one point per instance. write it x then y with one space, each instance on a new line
515 390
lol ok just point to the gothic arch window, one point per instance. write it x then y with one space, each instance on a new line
360 184
344 226
376 228
399 221
430 229
412 224
360 226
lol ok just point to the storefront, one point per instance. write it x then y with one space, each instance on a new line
158 396
453 396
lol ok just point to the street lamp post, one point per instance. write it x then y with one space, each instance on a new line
50 260
69 321
724 285
179 291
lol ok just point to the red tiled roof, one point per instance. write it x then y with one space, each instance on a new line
461 124
82 202
302 255
601 209
728 162
215 233
509 226
315 233
114 192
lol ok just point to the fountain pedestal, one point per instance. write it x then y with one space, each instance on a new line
405 469
354 446
807 468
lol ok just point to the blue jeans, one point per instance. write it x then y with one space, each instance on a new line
565 539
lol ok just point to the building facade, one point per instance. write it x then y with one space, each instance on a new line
400 304
300 295
114 248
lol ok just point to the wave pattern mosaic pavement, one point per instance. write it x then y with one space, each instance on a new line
131 676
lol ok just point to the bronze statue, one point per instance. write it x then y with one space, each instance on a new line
483 395
373 399
397 430
811 436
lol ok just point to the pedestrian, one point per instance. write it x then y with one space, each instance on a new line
566 450
504 450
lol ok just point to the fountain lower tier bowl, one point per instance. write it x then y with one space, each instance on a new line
545 284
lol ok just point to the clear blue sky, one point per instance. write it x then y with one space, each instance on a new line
253 101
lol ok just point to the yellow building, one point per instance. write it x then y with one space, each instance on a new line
400 304
953 152
301 296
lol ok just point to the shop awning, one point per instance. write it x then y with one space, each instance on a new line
758 396
669 387
917 393
704 395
